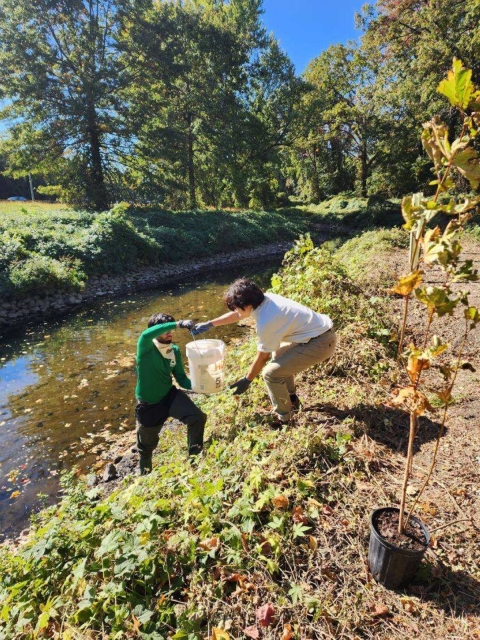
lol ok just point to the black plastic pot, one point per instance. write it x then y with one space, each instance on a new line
390 565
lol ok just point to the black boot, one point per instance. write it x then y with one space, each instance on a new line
295 400
145 464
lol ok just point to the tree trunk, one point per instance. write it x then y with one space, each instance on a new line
363 170
190 165
96 188
315 193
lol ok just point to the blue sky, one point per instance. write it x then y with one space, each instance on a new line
305 28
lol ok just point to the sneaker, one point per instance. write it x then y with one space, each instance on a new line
295 400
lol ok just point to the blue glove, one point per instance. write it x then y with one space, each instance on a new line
240 386
201 328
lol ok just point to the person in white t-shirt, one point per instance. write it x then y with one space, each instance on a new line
291 338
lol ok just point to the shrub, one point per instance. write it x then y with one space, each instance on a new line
44 274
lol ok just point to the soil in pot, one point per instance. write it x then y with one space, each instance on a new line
412 538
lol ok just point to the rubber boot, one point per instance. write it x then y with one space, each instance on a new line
145 465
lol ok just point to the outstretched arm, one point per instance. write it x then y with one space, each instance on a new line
227 318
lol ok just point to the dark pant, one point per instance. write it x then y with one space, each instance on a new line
151 417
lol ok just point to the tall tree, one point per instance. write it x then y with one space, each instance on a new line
417 39
212 102
346 122
188 64
61 75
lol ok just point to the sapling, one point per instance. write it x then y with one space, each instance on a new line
432 247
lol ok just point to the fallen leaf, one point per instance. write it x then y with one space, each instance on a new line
379 610
327 510
251 632
408 605
287 632
265 614
298 516
15 494
428 507
136 624
411 490
219 634
280 502
209 544
312 543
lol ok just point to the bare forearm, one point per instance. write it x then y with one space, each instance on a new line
257 365
227 318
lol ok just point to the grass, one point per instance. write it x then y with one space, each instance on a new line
15 208
357 214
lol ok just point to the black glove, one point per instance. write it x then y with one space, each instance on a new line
186 324
201 328
240 386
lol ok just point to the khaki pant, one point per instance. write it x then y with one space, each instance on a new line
292 359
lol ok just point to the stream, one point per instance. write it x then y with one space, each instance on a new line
67 386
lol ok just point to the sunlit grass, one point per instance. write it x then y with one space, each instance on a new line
7 207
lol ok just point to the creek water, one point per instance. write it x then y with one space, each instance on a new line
67 387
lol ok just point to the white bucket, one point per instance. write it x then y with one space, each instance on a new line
205 361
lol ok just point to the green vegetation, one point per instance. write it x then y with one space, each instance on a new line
192 546
46 251
359 254
356 213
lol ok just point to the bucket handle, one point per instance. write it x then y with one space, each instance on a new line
198 349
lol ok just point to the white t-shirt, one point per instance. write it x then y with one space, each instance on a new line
280 320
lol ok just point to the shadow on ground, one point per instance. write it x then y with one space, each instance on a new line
457 592
385 425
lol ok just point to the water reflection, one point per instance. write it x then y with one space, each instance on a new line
67 388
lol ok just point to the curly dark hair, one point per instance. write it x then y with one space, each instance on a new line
241 293
159 318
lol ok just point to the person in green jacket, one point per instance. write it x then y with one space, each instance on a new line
157 360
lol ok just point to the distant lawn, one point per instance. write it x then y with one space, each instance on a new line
7 207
